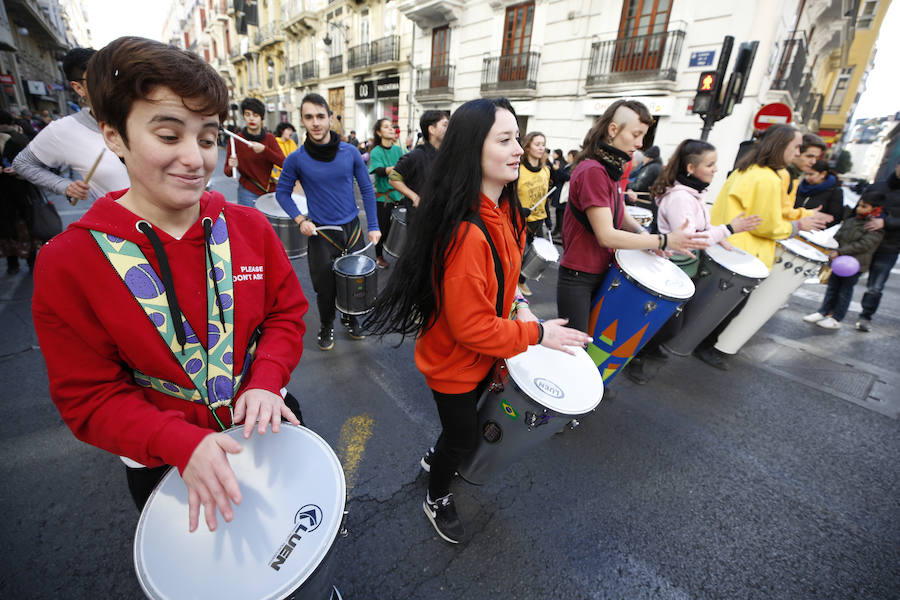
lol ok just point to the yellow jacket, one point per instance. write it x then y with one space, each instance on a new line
755 191
790 198
287 146
532 187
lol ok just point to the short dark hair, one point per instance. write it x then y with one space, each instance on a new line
279 129
812 140
74 63
316 99
129 68
821 166
652 152
6 118
590 148
253 105
873 198
429 118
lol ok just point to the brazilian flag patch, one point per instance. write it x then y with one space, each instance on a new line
509 410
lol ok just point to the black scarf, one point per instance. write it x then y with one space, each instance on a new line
691 181
254 138
528 166
323 152
612 159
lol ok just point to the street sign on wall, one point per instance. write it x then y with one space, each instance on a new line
703 58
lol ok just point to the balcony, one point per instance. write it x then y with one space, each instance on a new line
431 13
235 54
269 33
435 84
297 16
638 62
310 70
358 57
294 75
384 50
513 74
336 64
791 65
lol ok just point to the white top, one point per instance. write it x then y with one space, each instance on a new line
738 261
803 250
76 141
655 274
570 385
293 492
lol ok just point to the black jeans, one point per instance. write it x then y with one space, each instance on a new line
321 259
458 439
384 224
575 290
838 295
879 271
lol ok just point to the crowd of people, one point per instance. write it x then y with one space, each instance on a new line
167 315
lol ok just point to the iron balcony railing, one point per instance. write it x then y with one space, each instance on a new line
294 74
267 33
310 69
336 64
436 80
638 58
510 71
358 56
790 66
386 49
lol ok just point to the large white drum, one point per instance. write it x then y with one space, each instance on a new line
279 543
295 243
531 397
795 262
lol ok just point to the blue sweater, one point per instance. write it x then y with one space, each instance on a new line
328 187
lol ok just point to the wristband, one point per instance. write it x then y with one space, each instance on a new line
729 227
540 333
659 246
665 241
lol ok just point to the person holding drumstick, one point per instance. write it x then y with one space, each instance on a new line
165 308
455 287
596 222
534 182
253 152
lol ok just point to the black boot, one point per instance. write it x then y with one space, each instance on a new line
636 371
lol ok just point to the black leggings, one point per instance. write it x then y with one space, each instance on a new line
458 439
384 224
321 259
575 290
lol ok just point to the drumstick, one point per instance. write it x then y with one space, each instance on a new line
363 249
87 179
334 227
234 171
235 136
541 201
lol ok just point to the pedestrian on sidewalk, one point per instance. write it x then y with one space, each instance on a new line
16 196
382 159
255 160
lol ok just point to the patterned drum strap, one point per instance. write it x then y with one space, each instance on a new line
211 371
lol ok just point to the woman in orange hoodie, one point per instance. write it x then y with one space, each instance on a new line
456 283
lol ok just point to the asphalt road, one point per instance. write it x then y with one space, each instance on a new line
777 479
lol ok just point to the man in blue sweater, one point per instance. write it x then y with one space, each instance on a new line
326 167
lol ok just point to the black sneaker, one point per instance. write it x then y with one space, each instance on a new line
326 338
425 462
442 514
864 325
713 358
355 329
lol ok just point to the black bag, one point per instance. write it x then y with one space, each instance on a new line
45 222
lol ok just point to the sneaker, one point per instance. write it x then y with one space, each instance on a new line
523 287
713 358
635 371
326 338
354 327
381 263
425 462
864 325
814 318
829 323
442 514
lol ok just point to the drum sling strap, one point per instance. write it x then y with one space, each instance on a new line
582 218
351 241
498 268
211 370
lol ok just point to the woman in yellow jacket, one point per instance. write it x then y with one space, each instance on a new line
534 183
284 133
755 187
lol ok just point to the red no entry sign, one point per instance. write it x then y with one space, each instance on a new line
772 114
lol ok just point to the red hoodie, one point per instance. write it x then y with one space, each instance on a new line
93 333
457 353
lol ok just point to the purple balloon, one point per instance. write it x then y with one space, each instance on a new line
845 266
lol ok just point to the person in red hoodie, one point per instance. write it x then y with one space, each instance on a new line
456 283
255 160
164 308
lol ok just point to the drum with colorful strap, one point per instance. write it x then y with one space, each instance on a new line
640 293
531 397
724 278
795 262
281 541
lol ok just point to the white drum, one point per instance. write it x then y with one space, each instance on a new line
643 216
538 256
795 262
295 243
531 397
279 543
819 240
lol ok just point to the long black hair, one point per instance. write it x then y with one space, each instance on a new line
412 299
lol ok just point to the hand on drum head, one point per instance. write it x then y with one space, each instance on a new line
683 240
210 480
263 406
559 337
814 222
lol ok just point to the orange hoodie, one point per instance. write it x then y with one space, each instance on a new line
468 336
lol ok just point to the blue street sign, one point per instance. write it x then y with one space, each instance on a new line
702 59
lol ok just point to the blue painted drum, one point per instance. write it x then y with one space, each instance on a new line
281 541
640 293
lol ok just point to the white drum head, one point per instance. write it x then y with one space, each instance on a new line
545 249
638 213
738 261
656 274
570 385
268 205
820 238
803 250
293 492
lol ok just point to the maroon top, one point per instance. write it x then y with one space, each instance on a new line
590 185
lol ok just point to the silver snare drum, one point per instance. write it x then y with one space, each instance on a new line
356 284
396 239
295 243
279 544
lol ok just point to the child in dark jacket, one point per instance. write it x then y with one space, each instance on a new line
856 241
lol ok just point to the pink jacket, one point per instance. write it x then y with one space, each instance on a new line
681 202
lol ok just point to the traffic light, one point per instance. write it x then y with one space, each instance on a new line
707 92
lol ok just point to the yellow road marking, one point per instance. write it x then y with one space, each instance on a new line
355 432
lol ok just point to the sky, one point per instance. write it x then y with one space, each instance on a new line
110 19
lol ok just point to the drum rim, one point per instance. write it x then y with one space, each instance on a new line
237 432
809 237
788 242
755 277
356 256
556 409
644 287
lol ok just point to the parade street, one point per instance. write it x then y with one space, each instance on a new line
776 479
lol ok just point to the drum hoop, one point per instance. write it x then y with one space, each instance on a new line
521 390
334 266
643 287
